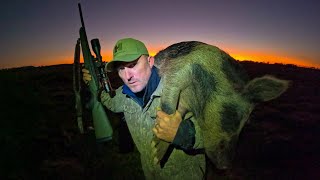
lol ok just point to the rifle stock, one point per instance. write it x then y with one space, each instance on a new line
102 126
77 86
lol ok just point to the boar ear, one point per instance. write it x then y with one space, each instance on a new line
265 88
151 61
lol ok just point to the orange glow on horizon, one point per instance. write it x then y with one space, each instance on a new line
50 61
266 58
256 57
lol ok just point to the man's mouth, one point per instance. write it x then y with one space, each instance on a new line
131 83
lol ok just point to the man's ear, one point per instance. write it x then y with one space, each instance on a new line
151 61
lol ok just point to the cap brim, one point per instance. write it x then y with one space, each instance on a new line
110 67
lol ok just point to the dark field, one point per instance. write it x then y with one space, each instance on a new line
40 140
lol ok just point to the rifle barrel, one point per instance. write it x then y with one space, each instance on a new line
81 17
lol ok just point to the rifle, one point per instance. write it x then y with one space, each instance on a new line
102 126
77 86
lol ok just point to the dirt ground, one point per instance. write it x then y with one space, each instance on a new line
40 139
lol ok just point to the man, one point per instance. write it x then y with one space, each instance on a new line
139 100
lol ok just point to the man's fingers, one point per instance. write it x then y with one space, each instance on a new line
162 116
85 70
177 114
155 131
161 113
86 75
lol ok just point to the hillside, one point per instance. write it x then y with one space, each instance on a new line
40 139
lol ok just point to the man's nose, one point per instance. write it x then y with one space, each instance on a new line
128 74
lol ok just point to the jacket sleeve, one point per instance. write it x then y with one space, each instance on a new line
114 104
198 144
188 136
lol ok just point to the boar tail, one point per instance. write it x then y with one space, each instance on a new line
264 88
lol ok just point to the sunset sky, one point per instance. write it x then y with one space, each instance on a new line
44 32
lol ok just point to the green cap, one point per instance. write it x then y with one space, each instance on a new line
126 50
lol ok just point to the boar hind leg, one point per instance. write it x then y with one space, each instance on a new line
170 99
174 83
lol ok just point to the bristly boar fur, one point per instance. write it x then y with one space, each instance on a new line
205 80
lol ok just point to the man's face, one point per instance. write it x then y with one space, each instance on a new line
136 74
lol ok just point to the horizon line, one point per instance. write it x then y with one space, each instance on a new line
258 62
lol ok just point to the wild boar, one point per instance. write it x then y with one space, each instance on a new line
205 80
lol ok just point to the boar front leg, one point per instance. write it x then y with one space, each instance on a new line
173 84
169 101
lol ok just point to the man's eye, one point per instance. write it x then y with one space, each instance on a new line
120 68
131 65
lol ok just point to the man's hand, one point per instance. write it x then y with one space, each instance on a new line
86 75
166 125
